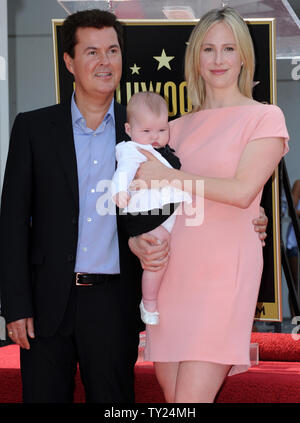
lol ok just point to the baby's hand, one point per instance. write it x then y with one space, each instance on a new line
121 199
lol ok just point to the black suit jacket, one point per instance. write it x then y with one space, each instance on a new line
39 218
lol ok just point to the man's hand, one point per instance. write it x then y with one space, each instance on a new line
260 225
18 331
153 253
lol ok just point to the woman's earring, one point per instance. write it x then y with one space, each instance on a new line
242 64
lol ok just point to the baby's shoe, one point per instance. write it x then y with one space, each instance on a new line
149 317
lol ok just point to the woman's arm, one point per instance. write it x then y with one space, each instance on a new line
256 165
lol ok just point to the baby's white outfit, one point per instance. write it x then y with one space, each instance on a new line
129 159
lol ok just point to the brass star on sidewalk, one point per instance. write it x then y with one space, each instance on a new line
135 69
163 60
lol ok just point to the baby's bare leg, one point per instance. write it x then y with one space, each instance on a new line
151 280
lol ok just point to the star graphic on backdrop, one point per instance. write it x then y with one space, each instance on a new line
135 69
163 60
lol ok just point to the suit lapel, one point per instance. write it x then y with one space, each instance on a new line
64 143
63 139
120 119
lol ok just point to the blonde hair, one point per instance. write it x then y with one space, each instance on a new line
153 101
195 83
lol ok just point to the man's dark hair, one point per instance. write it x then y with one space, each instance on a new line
94 18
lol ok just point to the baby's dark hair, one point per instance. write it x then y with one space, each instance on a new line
93 18
153 101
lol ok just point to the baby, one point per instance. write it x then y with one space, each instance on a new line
147 210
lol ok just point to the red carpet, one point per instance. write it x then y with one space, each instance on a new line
276 379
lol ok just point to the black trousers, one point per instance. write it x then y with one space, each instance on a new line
97 333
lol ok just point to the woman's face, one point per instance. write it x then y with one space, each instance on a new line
220 61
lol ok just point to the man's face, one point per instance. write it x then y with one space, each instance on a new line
97 62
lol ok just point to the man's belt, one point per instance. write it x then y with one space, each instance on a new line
90 279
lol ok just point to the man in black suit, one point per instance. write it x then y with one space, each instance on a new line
70 286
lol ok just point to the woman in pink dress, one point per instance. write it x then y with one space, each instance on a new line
231 144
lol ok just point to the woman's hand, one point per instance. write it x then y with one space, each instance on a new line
152 253
121 199
151 173
260 225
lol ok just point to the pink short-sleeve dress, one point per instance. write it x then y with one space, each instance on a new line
209 292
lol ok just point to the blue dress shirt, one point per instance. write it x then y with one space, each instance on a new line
97 248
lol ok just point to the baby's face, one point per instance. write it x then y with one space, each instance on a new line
149 128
